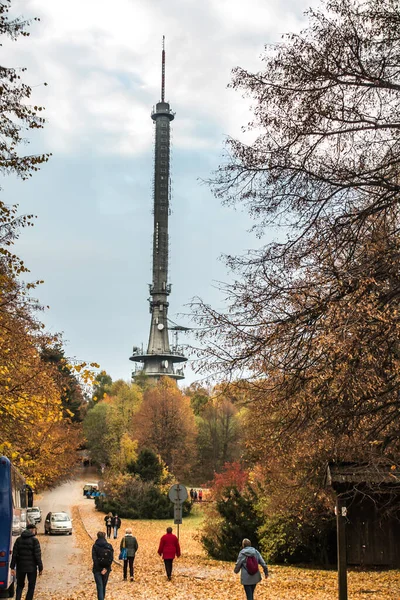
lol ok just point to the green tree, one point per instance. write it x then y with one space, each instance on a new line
199 397
101 385
234 518
112 417
95 428
148 466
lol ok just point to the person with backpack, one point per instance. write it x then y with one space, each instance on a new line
168 549
247 563
128 549
102 555
116 524
27 559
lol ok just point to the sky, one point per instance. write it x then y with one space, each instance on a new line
92 239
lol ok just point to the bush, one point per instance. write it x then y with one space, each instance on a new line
286 539
132 498
233 518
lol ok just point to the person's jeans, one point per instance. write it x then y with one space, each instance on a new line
101 583
249 589
168 566
21 583
115 532
108 531
129 560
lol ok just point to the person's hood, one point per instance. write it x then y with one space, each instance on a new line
27 533
248 551
101 542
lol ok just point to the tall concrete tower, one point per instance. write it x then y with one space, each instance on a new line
160 358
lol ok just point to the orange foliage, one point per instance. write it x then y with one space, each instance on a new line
165 423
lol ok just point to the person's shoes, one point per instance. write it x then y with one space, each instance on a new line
169 578
131 578
125 579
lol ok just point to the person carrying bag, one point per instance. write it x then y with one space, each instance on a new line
128 549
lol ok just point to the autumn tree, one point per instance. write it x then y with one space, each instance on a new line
36 430
312 320
165 423
218 436
72 395
326 300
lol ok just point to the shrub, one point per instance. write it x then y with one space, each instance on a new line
132 498
286 539
233 518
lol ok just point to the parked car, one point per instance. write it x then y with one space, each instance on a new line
58 522
33 515
90 490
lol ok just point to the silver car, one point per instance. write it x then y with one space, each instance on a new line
58 522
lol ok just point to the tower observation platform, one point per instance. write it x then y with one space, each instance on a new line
160 358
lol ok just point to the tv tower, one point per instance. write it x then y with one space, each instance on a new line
160 358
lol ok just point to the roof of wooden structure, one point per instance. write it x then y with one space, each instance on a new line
355 474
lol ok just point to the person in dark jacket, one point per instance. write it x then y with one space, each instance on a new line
249 581
116 524
129 542
168 549
108 519
27 559
102 555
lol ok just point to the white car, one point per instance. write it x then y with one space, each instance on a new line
33 515
58 522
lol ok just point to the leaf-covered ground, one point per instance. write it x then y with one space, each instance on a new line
196 577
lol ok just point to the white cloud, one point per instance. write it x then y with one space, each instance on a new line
102 63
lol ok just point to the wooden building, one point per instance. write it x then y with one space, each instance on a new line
372 499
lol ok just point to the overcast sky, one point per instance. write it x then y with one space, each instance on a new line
92 240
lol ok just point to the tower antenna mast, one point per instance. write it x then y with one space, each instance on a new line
163 70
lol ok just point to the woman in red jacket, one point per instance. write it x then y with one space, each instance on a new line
168 549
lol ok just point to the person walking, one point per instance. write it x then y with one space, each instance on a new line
247 563
116 524
102 556
26 561
168 549
108 519
128 546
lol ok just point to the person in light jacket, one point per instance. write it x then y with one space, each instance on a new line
249 581
130 543
168 549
